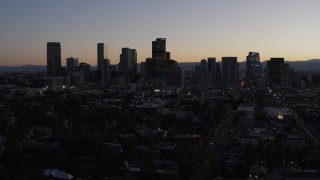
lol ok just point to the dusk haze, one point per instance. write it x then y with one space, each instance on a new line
160 89
193 29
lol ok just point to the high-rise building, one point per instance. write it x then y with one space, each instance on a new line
218 73
203 63
53 58
230 72
71 63
202 77
86 69
125 63
160 60
212 69
253 69
105 72
134 71
278 73
274 71
286 75
113 70
159 49
168 56
102 54
152 70
128 64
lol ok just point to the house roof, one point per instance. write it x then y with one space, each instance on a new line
57 174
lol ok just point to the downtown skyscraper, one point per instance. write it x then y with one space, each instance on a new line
278 73
128 64
53 59
253 69
230 72
274 71
105 72
202 76
72 64
102 54
160 60
159 49
212 69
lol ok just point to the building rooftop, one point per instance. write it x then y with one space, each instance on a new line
57 174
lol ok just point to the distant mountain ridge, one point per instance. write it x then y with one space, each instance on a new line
29 67
312 65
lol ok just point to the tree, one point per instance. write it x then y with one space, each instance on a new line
220 110
170 105
303 153
130 146
260 116
186 167
149 169
167 121
242 169
248 156
189 116
3 173
314 162
13 159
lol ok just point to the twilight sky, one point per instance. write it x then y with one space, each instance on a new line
194 29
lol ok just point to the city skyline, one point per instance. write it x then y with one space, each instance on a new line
193 30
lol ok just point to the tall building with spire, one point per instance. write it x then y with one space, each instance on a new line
253 69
